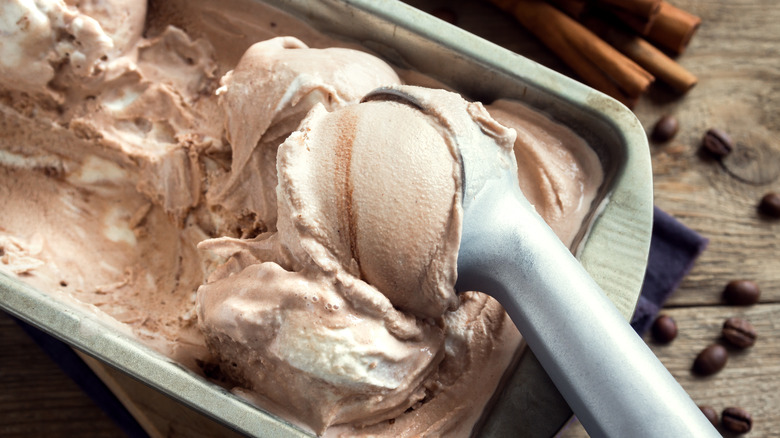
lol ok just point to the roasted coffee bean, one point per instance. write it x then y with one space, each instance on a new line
717 142
664 329
736 420
710 413
739 332
741 293
711 360
770 205
665 129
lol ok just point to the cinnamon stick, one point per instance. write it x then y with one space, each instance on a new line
639 15
596 62
673 28
638 24
645 54
574 8
644 9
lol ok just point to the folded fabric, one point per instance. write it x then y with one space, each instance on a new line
673 250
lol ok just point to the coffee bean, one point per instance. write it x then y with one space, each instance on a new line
741 293
739 332
665 129
664 329
711 360
710 413
717 142
770 205
736 420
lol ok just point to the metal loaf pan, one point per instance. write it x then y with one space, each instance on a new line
614 251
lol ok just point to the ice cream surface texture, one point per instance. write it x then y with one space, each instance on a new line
339 307
348 179
45 37
216 188
265 97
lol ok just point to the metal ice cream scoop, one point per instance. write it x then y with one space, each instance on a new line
611 380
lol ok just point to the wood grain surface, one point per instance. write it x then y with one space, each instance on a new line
736 55
159 415
37 399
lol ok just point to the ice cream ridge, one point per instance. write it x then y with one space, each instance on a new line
266 218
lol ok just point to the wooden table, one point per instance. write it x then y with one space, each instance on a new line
736 55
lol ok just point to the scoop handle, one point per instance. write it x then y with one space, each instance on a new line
612 381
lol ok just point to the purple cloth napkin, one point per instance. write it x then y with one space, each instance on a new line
673 250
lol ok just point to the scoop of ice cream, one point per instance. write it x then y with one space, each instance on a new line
345 303
266 96
44 37
375 188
